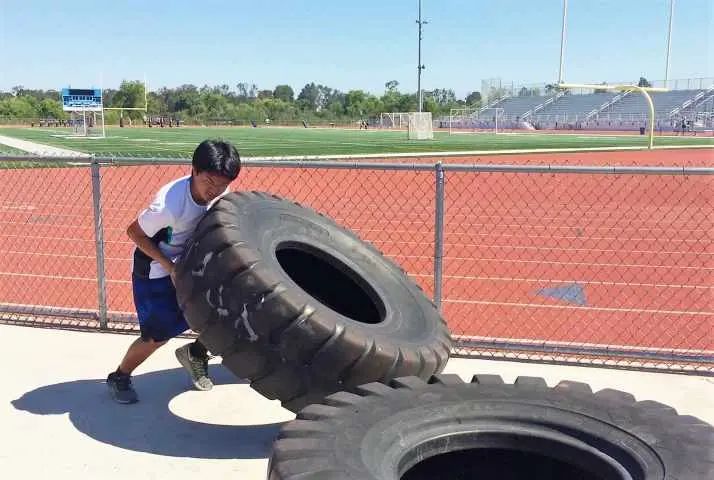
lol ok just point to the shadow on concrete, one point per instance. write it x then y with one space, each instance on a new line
149 425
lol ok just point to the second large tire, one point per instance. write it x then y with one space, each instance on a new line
448 429
301 306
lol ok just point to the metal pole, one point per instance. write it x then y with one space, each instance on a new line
562 40
439 235
99 238
669 44
420 67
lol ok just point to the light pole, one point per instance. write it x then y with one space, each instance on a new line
562 41
669 44
420 67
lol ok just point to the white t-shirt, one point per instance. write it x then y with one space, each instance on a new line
169 221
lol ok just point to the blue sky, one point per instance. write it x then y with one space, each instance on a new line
347 44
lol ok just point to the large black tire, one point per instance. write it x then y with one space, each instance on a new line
299 305
448 429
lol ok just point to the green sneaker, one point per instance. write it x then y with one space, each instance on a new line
197 368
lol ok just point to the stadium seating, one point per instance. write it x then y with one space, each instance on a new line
604 110
663 103
629 112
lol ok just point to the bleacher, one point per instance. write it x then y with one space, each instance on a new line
610 110
514 107
664 103
577 106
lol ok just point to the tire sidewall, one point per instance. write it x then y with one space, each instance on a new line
409 316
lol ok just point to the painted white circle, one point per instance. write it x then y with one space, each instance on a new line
229 404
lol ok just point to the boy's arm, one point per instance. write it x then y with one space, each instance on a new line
146 245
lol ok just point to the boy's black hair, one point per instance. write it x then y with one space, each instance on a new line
217 156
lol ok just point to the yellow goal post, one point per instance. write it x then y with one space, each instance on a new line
643 90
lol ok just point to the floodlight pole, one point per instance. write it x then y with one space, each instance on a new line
562 40
669 44
420 67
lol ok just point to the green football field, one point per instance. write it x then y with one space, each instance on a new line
272 142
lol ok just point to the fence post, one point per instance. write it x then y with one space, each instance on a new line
99 240
439 235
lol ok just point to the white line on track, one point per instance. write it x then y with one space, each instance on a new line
484 246
551 237
545 262
575 307
531 341
580 281
60 277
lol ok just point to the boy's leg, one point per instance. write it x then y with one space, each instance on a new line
194 358
138 351
159 319
119 381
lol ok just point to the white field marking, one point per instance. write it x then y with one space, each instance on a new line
528 341
530 226
38 148
546 249
49 213
509 235
61 255
591 137
552 281
65 239
17 207
545 262
575 307
61 277
87 208
591 215
62 225
457 153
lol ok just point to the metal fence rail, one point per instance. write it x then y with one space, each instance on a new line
593 265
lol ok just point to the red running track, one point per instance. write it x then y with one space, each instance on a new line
634 253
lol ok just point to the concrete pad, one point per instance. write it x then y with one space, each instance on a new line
59 422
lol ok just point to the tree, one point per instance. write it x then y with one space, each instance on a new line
130 95
473 98
391 86
315 97
643 82
284 93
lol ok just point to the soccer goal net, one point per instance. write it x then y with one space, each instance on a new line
475 120
420 126
394 120
89 124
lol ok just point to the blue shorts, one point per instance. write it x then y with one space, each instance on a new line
160 316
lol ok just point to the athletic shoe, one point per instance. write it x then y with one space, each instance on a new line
197 368
121 389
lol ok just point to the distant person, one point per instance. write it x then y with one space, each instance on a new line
160 233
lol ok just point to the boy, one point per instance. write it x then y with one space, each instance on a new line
160 233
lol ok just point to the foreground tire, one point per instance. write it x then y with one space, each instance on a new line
300 306
448 429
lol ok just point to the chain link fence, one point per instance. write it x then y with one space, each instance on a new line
591 265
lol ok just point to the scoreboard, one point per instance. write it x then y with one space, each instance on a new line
86 99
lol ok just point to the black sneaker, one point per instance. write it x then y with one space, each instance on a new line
121 389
